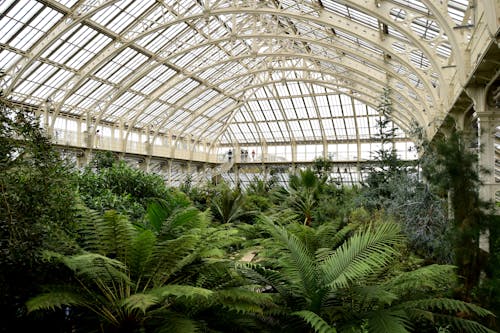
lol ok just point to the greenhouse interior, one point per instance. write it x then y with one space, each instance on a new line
250 166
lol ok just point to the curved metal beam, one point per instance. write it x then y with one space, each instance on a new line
399 116
366 58
360 71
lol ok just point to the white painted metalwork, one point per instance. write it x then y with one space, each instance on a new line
221 73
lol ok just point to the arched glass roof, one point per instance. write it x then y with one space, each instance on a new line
225 71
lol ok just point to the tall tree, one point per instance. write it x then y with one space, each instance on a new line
451 166
37 200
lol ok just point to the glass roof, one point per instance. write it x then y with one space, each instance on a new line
223 70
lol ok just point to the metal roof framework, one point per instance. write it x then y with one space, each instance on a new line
250 72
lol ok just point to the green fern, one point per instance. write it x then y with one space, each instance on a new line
317 323
363 254
55 300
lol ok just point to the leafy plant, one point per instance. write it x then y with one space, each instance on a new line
37 200
332 279
171 279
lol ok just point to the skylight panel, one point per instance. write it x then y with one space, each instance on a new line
339 126
307 131
146 85
328 128
59 78
128 99
128 14
5 4
10 28
7 58
107 14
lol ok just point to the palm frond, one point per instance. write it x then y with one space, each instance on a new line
361 255
183 219
317 323
55 300
156 213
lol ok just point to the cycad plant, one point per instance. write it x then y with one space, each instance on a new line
302 194
166 280
333 279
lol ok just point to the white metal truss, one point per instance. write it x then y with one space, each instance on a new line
203 70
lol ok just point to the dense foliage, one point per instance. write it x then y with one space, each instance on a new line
112 249
37 200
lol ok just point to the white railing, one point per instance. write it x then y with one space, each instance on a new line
84 140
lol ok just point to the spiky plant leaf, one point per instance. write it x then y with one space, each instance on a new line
55 300
317 323
361 255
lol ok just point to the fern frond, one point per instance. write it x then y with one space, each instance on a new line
55 300
172 255
242 300
141 253
116 234
384 321
90 224
96 267
180 291
178 324
317 323
461 324
362 254
446 304
301 266
265 277
140 302
427 277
